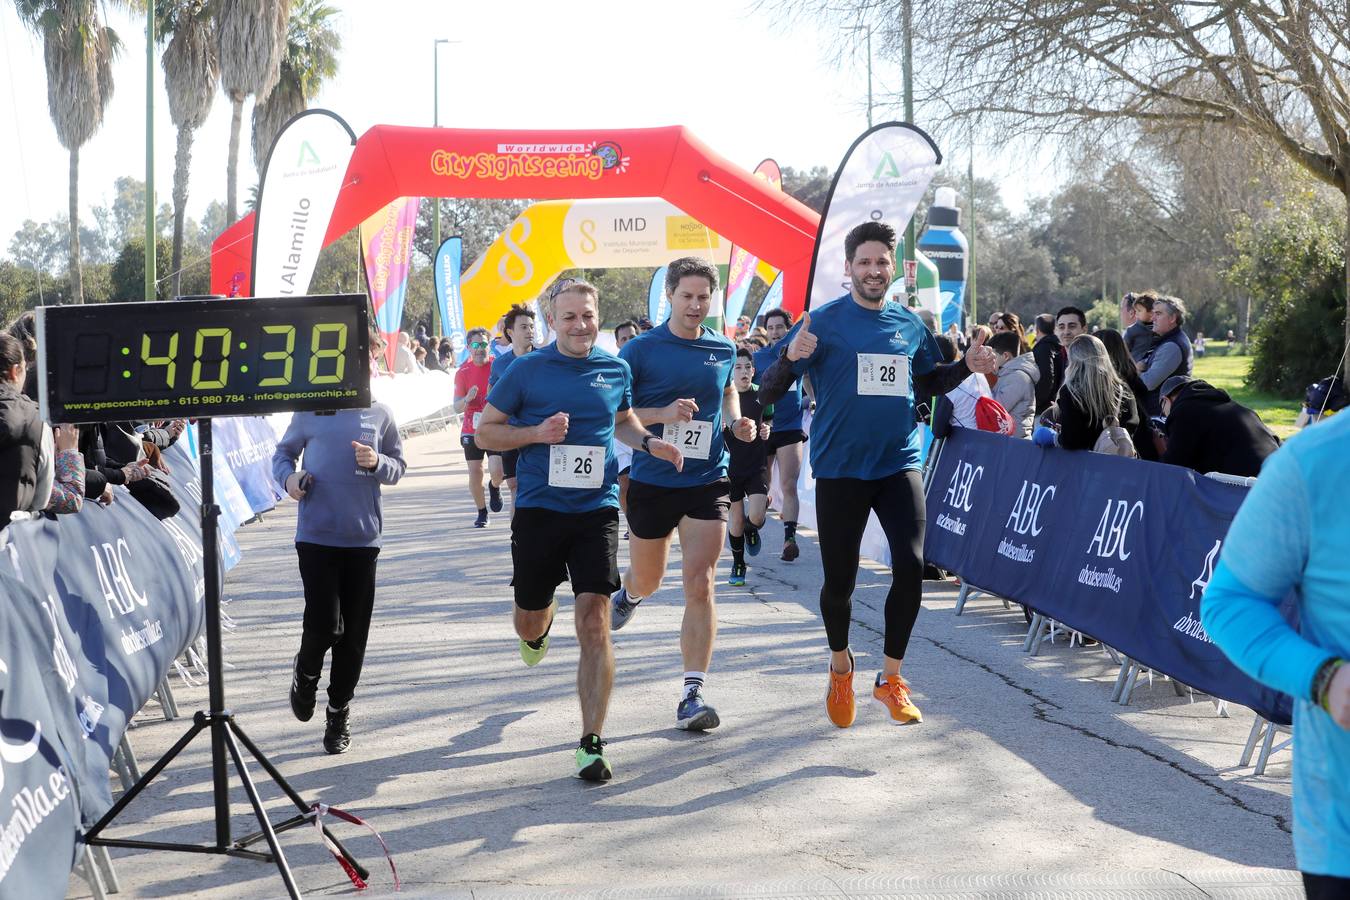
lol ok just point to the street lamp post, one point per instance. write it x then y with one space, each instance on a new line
908 59
150 150
436 201
868 30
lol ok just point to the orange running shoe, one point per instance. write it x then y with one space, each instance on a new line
839 700
893 692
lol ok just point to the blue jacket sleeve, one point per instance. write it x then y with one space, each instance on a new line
391 464
288 451
1263 559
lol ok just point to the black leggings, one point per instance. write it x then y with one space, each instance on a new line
842 507
1326 887
339 598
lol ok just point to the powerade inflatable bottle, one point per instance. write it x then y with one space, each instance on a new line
946 246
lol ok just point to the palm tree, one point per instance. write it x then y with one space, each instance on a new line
252 40
312 47
191 69
78 50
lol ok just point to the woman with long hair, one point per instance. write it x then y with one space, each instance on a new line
1091 394
1008 321
1143 434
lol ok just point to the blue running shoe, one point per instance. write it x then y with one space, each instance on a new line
737 578
752 545
694 714
482 520
621 609
494 497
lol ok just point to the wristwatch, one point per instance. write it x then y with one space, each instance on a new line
647 439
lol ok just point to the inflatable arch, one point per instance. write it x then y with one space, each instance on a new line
391 161
550 237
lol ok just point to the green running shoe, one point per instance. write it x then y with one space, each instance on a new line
737 574
533 651
591 762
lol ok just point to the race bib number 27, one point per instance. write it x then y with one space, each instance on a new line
883 374
693 438
576 466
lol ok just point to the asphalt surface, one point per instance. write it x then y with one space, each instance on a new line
1023 780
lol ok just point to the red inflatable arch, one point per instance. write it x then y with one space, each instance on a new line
394 161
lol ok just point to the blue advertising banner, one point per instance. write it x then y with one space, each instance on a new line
449 257
772 300
246 444
1116 548
658 307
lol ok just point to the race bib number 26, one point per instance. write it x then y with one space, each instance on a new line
883 374
693 438
576 466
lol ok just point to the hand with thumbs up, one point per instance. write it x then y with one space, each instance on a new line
980 358
804 344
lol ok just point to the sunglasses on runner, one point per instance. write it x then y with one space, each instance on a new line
478 345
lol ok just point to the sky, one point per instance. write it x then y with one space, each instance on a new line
746 84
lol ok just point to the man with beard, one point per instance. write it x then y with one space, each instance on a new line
867 360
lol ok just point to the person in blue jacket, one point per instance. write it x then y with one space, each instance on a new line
1293 534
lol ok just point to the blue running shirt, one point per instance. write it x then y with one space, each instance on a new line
591 391
787 409
870 435
500 365
667 368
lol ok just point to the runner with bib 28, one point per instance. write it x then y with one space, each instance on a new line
867 360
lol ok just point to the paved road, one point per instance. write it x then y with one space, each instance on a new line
1021 772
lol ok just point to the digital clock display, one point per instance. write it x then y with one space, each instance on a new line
202 358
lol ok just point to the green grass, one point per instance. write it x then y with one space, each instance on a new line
1230 372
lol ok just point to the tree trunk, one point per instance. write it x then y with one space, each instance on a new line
1244 315
1345 369
181 161
232 167
76 275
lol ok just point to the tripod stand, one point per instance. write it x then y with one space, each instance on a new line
226 735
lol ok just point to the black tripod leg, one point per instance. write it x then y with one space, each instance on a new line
279 857
295 797
198 723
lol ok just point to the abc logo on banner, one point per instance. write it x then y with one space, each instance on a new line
300 184
882 178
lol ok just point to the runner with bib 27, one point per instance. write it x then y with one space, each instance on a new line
867 360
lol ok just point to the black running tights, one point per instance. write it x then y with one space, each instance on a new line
842 507
339 598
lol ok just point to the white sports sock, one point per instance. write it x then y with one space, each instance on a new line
693 681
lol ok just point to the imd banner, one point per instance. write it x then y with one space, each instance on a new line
882 178
448 297
741 269
300 184
387 241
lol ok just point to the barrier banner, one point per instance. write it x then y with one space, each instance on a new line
741 268
1118 549
449 257
882 178
299 188
387 242
246 444
658 306
772 300
39 814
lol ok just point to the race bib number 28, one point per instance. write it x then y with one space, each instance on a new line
883 374
693 438
576 466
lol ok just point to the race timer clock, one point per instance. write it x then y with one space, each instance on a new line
202 358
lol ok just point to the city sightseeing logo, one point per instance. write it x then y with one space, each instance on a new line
560 160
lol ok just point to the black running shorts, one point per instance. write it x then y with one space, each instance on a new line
472 451
654 512
743 486
549 547
785 438
509 458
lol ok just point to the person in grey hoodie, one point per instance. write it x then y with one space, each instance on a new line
348 455
1018 375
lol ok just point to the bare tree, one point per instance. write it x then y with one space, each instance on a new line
1098 69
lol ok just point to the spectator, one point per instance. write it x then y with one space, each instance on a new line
1199 343
644 324
1092 393
1140 339
21 435
502 343
929 320
1172 355
1210 432
1070 322
420 357
625 331
1017 378
405 363
742 328
1007 321
964 397
1146 439
1289 541
1048 362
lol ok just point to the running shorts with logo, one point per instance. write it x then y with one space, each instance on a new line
567 497
655 511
